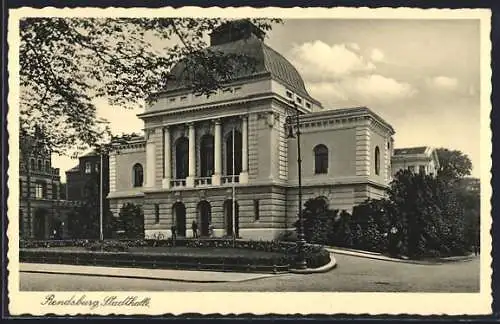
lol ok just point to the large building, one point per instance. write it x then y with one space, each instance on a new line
43 211
422 159
183 170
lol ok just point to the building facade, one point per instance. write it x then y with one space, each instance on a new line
43 213
85 178
421 159
225 161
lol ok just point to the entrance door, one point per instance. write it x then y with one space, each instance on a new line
180 218
40 224
205 217
58 228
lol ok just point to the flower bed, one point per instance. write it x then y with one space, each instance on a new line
281 254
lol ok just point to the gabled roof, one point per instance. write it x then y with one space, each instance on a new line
74 169
411 150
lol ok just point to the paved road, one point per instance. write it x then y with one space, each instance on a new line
352 274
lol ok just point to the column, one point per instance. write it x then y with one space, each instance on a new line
217 153
244 150
192 156
150 165
167 158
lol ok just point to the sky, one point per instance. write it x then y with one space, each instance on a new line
421 76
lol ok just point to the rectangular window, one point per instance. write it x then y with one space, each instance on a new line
421 169
308 105
299 100
289 94
172 99
157 213
227 90
183 98
39 190
237 89
88 167
96 167
256 210
411 168
54 191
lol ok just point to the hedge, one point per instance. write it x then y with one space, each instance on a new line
113 251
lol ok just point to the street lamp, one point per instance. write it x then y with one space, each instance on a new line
101 198
301 241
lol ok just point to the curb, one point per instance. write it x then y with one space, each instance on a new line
378 256
327 267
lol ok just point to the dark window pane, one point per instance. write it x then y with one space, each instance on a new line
320 159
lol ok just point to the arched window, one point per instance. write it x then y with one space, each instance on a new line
377 160
138 175
207 155
47 166
39 165
237 153
181 158
320 159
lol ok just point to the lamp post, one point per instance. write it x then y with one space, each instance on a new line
101 189
301 262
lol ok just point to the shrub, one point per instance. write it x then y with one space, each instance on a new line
108 246
315 255
131 219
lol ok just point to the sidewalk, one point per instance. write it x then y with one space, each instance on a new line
379 256
138 273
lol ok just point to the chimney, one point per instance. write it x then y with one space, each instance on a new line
234 30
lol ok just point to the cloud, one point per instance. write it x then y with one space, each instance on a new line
362 89
443 82
377 55
354 46
318 61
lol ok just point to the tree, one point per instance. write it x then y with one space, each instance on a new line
65 63
132 219
453 164
428 215
318 220
84 220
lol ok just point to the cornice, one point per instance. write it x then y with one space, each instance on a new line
201 107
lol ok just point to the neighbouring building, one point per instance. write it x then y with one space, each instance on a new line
43 213
422 159
183 170
86 175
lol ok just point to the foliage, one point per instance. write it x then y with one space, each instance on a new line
423 216
131 220
453 164
108 246
66 63
84 219
106 252
369 225
318 220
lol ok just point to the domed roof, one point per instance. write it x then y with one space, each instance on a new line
264 60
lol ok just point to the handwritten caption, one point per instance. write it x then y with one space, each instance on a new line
107 301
